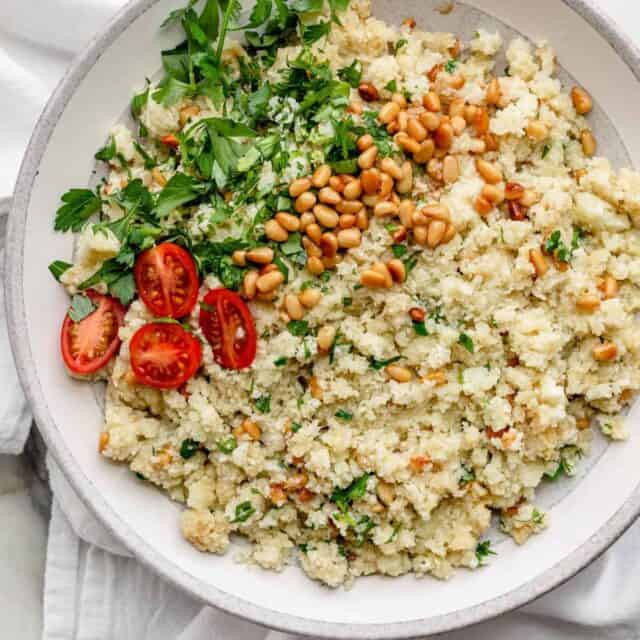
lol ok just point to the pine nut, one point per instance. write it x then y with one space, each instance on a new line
489 172
367 158
352 191
299 186
493 194
368 92
457 108
477 146
437 211
315 266
362 220
529 198
321 175
188 113
416 130
349 207
306 219
391 168
402 121
349 238
405 213
589 144
458 124
420 236
347 220
516 211
249 284
293 307
605 352
328 196
444 136
312 249
399 235
431 101
483 206
435 233
288 221
365 142
581 101
239 258
268 296
309 298
513 191
388 112
430 121
449 234
252 429
305 201
450 169
274 231
471 113
419 219
434 169
397 270
372 279
582 423
610 287
103 442
277 495
314 232
398 373
481 122
400 100
425 153
385 492
370 181
268 268
588 303
270 281
158 177
493 92
297 481
456 81
325 216
405 182
337 183
325 338
435 71
381 268
329 244
539 262
260 255
537 130
407 144
383 209
438 377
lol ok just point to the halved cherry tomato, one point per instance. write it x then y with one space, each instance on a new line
164 355
89 344
167 280
170 141
228 325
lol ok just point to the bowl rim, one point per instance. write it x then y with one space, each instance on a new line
561 572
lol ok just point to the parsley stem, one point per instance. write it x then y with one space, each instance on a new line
223 31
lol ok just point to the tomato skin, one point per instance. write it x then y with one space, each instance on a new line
103 323
229 328
167 280
170 141
164 355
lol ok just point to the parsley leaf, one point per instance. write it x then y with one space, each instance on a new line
466 342
420 328
483 551
108 152
281 361
79 205
263 404
451 65
391 86
343 498
243 512
313 32
381 364
180 190
124 288
344 415
399 250
545 150
298 328
351 74
58 267
188 448
81 307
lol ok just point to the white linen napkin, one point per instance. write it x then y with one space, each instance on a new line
93 589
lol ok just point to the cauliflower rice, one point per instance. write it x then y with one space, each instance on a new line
442 400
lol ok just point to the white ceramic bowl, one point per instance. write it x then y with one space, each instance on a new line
587 514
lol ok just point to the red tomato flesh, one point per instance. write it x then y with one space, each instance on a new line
229 328
167 280
164 355
88 345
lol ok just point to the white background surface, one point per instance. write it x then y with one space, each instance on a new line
23 530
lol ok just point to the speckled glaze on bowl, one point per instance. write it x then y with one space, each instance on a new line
585 520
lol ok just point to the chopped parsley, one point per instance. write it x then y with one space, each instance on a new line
298 328
401 43
351 74
188 448
81 307
58 267
79 205
391 86
263 404
399 250
108 152
451 65
545 150
468 475
466 342
227 445
344 415
281 361
347 301
483 551
420 328
295 427
243 512
343 498
381 364
362 528
556 246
